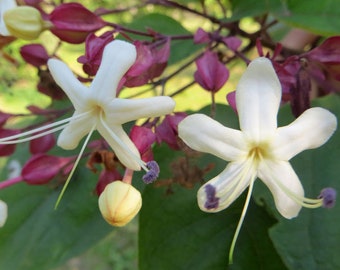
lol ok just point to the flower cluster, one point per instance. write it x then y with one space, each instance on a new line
97 98
96 108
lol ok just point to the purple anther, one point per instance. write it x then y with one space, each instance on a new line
328 195
212 200
153 172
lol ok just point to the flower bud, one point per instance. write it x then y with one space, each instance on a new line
150 63
34 54
201 36
40 169
143 138
94 47
42 144
72 22
167 131
119 203
24 22
211 73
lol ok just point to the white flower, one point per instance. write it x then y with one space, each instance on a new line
4 6
98 108
260 149
3 213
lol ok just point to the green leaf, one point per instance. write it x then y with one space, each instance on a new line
320 17
175 234
38 237
253 8
160 23
312 240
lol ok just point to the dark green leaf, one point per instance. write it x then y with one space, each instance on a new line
321 17
175 234
253 8
38 237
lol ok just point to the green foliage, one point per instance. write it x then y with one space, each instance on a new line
252 8
39 237
320 17
175 234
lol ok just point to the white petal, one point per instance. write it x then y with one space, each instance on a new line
4 6
3 213
311 130
272 172
126 151
120 111
204 134
71 135
258 96
118 57
229 185
65 78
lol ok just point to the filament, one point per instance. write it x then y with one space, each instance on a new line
7 141
74 166
47 129
303 201
240 222
241 175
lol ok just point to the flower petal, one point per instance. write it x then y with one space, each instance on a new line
71 135
3 213
226 187
126 151
65 78
281 171
118 57
204 134
120 111
258 97
311 130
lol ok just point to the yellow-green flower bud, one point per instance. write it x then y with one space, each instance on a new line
25 22
119 203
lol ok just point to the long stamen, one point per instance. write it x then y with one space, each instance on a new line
303 201
74 166
240 222
245 171
47 129
241 175
122 144
34 136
